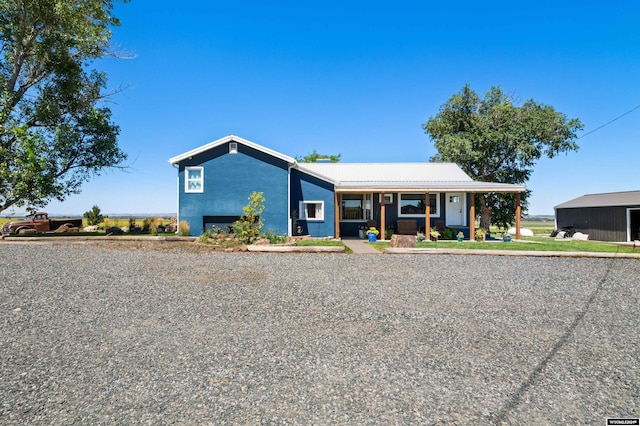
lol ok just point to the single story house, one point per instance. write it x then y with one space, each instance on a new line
324 199
612 216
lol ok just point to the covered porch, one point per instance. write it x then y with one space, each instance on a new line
404 210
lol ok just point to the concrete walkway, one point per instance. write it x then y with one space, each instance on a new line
359 246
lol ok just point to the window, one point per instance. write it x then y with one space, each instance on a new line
312 210
233 148
355 207
387 199
412 205
193 179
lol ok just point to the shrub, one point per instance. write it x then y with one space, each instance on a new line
183 228
248 227
94 216
274 238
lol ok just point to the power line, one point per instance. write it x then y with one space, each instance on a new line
609 122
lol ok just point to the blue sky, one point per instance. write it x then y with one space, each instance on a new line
360 78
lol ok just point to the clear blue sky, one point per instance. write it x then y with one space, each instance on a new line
360 78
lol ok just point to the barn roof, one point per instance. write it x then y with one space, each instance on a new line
608 199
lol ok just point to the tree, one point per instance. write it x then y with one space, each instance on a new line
493 140
248 227
54 131
94 216
313 157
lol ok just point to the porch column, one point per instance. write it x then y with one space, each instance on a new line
336 214
427 217
382 218
518 210
472 217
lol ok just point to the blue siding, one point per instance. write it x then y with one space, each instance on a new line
229 179
309 188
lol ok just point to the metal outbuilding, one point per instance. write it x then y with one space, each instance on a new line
612 216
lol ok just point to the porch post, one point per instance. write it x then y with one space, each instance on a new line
472 217
382 217
518 211
427 217
336 214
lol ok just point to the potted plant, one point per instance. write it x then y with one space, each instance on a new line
362 232
481 234
420 236
435 234
372 234
506 237
460 236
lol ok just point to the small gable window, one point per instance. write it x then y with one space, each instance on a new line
194 179
233 148
312 210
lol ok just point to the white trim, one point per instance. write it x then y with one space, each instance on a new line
438 207
364 197
629 221
226 139
188 190
289 218
302 212
463 207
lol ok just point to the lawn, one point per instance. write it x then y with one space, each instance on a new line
527 244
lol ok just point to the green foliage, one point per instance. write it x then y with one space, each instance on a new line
248 227
274 238
447 233
54 132
205 236
93 216
493 140
313 157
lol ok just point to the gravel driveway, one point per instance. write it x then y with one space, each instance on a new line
96 335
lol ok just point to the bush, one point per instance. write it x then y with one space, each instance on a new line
183 228
248 227
274 238
94 216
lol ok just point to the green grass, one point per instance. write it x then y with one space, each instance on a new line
527 244
323 243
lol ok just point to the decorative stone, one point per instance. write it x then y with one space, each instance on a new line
403 241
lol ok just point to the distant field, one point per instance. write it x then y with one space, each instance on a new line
108 221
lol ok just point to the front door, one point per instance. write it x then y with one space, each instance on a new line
455 209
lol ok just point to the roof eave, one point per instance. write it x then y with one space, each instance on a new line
231 138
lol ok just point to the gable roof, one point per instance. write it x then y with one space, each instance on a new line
227 139
402 177
608 199
375 177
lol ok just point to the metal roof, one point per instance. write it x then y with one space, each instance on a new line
374 177
402 177
608 199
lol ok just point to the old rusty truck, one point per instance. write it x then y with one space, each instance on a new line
40 222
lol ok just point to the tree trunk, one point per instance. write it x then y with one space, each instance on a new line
485 214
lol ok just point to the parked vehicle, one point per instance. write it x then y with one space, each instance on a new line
40 222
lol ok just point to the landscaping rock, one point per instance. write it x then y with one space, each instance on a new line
403 241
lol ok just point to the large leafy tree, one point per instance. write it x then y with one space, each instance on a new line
55 132
494 140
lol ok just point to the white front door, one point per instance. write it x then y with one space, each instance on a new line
455 208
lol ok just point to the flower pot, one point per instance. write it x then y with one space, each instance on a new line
506 239
372 237
460 239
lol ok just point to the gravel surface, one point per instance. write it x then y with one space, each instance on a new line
95 334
